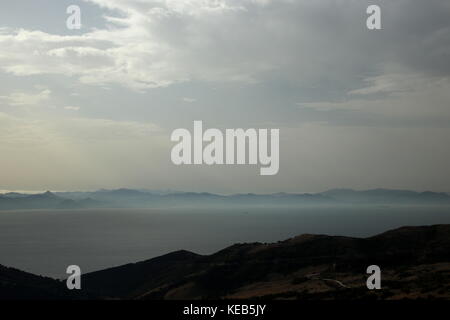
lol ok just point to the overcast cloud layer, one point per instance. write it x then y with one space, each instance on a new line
95 108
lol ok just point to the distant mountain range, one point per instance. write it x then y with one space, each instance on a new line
47 200
414 261
129 198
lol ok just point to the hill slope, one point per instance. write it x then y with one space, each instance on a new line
16 284
415 263
308 266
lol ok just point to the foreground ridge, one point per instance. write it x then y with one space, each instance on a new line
415 263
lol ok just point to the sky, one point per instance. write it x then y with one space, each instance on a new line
94 108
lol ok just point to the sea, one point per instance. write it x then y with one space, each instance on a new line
46 242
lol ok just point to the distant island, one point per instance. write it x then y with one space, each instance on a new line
415 264
129 198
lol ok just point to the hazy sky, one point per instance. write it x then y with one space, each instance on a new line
94 108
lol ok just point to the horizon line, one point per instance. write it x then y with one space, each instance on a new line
33 192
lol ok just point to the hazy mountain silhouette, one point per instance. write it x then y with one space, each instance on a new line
47 200
387 196
129 198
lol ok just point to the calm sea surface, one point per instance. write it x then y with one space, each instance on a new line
46 242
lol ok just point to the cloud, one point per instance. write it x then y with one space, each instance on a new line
18 131
156 43
188 100
27 99
89 129
368 101
319 51
391 100
388 83
72 108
